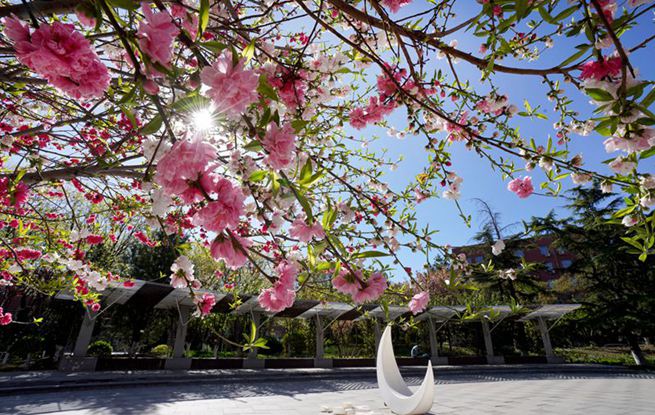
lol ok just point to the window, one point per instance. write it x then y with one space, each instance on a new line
478 259
519 253
550 284
566 263
544 250
560 250
549 265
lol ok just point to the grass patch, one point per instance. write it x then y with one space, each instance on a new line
605 355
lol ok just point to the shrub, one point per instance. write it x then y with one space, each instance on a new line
100 348
161 350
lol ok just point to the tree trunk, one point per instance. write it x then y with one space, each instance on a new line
635 350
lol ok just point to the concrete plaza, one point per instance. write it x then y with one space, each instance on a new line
475 393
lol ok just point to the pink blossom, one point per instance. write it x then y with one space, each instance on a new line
232 251
94 239
373 289
205 303
179 170
357 118
15 198
395 5
280 145
189 21
95 307
287 271
276 298
304 232
5 318
86 18
419 301
346 282
231 87
610 66
182 272
225 211
27 254
61 55
156 34
522 187
150 87
636 142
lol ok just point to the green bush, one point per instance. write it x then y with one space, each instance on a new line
275 347
100 348
161 350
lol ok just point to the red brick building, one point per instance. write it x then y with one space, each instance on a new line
537 250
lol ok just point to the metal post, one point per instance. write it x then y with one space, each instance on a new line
84 336
488 344
180 332
545 337
434 349
319 337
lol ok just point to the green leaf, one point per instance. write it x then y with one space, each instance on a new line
306 171
191 103
249 51
204 15
574 57
599 94
125 4
566 13
649 99
258 176
214 46
647 154
369 254
265 89
153 125
254 145
329 217
298 125
305 205
547 17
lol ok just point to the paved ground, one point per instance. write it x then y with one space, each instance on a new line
489 393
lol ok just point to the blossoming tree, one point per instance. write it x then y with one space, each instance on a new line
237 124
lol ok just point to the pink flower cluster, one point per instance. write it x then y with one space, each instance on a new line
156 34
291 85
419 302
15 197
522 187
395 5
231 87
226 210
5 318
231 249
609 66
205 303
374 112
282 294
361 291
280 145
189 21
61 55
186 170
179 170
303 232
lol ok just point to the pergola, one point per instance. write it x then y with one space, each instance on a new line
150 295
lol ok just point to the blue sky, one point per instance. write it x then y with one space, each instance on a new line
479 179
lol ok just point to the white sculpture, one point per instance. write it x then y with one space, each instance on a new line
393 389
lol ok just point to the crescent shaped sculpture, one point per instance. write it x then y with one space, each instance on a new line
393 389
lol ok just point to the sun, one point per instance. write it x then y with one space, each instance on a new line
203 119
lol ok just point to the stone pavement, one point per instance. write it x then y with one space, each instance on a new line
506 394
